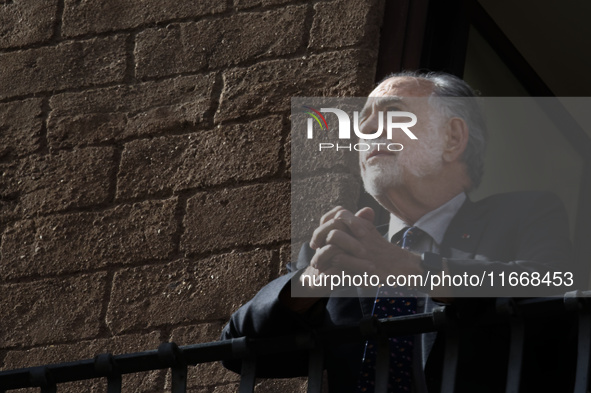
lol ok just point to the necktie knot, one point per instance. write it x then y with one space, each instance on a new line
410 237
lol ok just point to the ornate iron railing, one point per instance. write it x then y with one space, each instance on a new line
512 312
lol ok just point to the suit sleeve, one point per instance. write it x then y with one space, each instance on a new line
264 316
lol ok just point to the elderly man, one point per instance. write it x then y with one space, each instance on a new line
433 227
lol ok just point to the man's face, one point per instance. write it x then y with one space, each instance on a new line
384 170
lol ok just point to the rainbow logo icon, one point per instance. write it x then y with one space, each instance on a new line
317 116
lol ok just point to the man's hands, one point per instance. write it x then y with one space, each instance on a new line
350 242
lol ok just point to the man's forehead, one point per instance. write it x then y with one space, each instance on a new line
403 86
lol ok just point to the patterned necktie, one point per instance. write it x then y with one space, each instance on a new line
392 302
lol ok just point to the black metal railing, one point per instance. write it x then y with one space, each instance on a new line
511 312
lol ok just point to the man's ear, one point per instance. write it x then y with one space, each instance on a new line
456 139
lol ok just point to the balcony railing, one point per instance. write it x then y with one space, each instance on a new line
511 312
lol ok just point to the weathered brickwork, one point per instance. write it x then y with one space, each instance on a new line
86 241
232 40
343 23
145 168
269 86
66 65
242 4
51 310
40 184
21 124
255 214
237 152
87 17
126 111
26 22
182 291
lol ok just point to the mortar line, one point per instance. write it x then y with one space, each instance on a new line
57 27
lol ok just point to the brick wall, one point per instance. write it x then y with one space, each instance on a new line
144 166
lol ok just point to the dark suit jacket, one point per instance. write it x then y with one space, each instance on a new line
525 231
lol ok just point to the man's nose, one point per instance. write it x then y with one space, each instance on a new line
372 126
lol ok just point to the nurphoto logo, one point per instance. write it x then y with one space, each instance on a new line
393 121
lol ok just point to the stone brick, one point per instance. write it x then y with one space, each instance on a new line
116 113
65 180
88 350
241 4
228 153
196 334
81 63
76 242
308 204
82 350
49 183
213 43
232 388
251 215
207 390
287 155
20 127
8 192
26 22
83 17
208 374
51 310
285 257
294 385
344 23
186 291
267 87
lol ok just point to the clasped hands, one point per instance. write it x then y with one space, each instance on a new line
350 243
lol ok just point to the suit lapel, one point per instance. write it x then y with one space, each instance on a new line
464 232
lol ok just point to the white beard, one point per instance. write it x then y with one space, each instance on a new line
379 177
423 158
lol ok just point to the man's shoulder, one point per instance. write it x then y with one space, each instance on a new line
513 207
517 199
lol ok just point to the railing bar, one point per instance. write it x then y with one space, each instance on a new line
382 364
114 384
282 344
205 353
104 364
72 371
43 378
200 353
450 360
583 351
408 324
315 370
247 375
14 379
515 355
541 308
144 361
179 379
